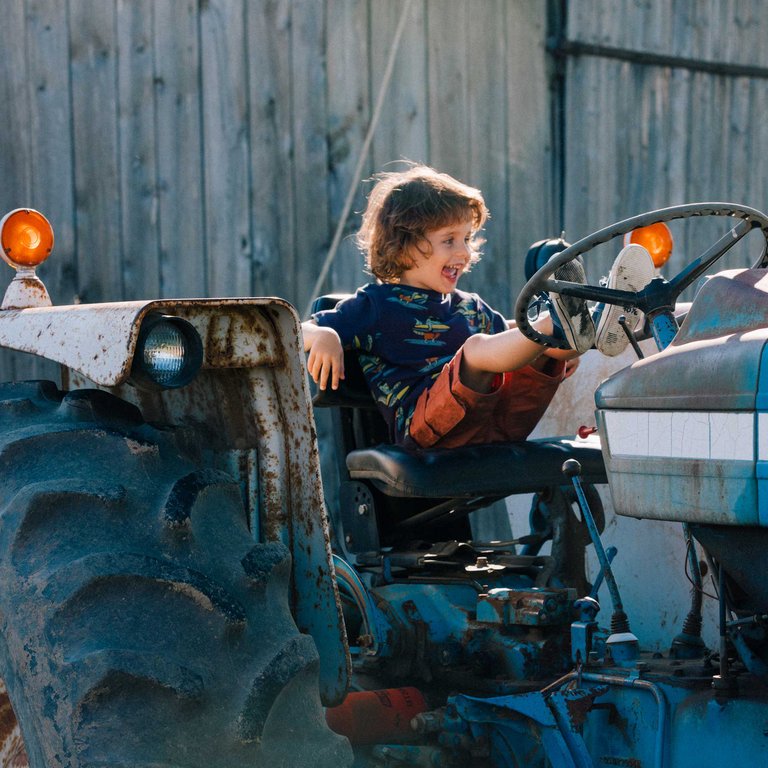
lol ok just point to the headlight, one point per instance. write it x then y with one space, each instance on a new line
168 354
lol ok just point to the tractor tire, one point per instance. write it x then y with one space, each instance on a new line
140 624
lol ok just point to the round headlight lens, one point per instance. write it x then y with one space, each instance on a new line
164 353
169 352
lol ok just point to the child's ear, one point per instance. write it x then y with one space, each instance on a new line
423 246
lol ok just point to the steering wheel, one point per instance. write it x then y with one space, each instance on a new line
659 296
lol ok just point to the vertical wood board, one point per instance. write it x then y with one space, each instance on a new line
225 148
177 101
310 167
273 204
137 142
349 120
98 215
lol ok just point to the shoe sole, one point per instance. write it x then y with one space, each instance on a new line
633 275
580 335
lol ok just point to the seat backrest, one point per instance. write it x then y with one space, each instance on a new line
353 392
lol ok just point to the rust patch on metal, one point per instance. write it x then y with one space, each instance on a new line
238 337
579 704
578 709
26 291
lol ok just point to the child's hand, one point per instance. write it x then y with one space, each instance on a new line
326 355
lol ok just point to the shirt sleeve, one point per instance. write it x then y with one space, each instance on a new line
498 321
352 319
492 321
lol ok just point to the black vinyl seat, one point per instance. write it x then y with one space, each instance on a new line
495 469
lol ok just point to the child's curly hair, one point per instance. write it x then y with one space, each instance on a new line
403 206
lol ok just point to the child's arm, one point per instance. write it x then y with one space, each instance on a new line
326 355
571 359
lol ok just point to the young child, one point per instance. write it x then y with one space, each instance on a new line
444 368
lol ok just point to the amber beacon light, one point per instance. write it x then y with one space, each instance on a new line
26 237
26 241
656 238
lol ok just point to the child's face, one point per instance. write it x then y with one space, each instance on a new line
450 255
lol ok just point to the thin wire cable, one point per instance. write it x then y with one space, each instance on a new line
361 158
698 587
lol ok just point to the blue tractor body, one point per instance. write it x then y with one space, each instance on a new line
505 640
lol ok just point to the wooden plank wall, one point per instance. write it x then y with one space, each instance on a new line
643 136
206 147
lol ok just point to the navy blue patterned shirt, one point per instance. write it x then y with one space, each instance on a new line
404 337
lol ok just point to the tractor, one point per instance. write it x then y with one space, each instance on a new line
175 593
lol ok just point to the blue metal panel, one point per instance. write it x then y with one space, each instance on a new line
761 465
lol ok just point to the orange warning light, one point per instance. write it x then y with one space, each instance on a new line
656 239
26 238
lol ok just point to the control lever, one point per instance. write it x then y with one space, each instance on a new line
631 336
610 553
624 645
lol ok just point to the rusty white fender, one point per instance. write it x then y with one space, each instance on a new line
250 394
99 340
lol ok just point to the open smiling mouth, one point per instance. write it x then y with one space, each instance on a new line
452 273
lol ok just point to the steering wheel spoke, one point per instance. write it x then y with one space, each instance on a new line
597 293
699 266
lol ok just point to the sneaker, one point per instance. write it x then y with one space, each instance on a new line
570 315
631 271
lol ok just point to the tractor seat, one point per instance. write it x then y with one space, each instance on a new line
490 470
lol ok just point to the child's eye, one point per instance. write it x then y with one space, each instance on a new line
449 241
